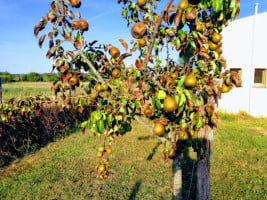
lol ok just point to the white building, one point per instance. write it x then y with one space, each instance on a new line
245 49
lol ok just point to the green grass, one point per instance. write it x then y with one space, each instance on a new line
66 169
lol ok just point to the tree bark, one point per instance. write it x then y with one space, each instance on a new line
203 167
177 178
203 161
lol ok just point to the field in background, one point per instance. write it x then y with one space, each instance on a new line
66 169
22 90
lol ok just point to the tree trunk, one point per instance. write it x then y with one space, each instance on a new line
177 178
203 161
203 167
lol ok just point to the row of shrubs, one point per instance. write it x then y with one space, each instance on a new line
26 134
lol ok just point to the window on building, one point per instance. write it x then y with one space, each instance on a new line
238 70
260 77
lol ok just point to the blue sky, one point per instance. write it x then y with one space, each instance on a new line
19 51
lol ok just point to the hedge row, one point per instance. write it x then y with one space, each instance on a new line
26 134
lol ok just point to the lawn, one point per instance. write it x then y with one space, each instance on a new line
66 169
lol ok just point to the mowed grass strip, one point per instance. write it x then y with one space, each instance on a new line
239 157
66 169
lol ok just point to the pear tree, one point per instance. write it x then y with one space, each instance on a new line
172 88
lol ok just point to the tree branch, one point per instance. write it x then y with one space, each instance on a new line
62 17
149 128
150 48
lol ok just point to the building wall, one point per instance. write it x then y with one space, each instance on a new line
237 48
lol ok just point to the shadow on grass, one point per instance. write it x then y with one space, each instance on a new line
150 156
145 137
135 190
7 160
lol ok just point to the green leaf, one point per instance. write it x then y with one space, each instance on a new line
161 94
96 116
3 117
182 99
188 95
199 122
158 104
176 98
94 128
217 5
214 66
156 45
100 125
192 115
181 81
84 124
137 104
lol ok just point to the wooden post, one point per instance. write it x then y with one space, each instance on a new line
0 90
203 165
203 161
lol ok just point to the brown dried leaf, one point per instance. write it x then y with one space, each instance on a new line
172 8
163 120
236 79
51 16
50 35
64 68
191 14
79 43
178 17
123 56
51 52
124 44
139 64
40 26
41 40
51 43
54 6
166 17
204 55
214 119
210 109
70 14
71 54
55 31
128 82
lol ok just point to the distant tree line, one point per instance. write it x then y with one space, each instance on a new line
6 77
